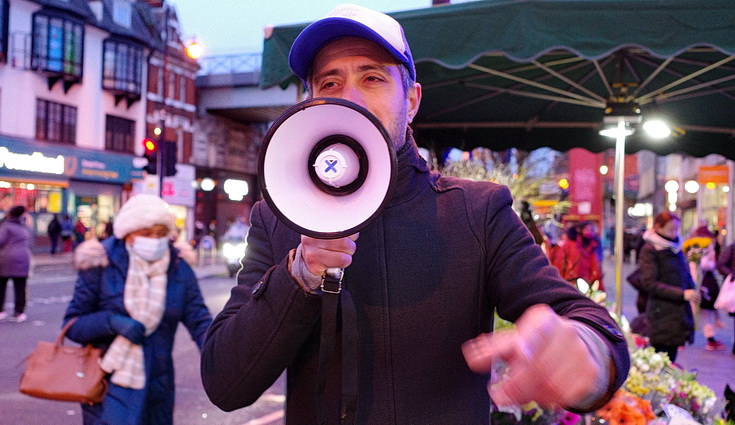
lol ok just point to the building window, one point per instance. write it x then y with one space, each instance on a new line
171 91
119 134
56 122
182 89
122 69
161 88
57 45
3 30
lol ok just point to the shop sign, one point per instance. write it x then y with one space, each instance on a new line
29 159
34 162
718 174
178 189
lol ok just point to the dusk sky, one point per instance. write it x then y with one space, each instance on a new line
236 26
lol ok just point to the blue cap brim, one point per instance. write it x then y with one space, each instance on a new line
317 35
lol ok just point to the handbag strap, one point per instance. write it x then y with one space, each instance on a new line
60 339
58 342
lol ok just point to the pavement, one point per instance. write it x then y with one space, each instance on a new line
48 268
714 368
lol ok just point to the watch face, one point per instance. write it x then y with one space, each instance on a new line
332 280
335 272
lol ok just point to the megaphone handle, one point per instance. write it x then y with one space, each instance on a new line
332 280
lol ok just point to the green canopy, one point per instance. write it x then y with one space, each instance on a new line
536 73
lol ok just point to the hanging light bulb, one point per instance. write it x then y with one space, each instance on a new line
656 128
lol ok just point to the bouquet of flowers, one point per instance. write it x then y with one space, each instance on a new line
694 248
653 378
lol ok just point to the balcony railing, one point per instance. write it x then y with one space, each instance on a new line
230 64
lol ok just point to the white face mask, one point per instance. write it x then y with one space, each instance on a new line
150 249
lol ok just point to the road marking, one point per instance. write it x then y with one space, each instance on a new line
267 419
64 299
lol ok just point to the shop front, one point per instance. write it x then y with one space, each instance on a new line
221 198
49 180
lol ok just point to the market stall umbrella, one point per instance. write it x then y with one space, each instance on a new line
529 74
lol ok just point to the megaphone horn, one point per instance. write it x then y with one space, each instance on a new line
326 167
339 165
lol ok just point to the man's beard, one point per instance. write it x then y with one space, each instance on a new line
398 132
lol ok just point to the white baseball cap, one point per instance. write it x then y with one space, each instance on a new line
349 20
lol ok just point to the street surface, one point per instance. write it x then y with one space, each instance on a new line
50 289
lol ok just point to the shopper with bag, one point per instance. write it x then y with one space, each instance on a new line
132 291
665 277
726 298
15 261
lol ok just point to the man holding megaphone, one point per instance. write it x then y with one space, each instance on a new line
413 296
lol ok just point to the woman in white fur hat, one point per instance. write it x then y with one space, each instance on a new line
132 291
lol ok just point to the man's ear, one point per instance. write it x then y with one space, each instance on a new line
414 100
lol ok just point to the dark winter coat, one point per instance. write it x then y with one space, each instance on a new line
15 251
426 277
665 276
98 294
54 228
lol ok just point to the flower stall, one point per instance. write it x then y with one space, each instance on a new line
656 392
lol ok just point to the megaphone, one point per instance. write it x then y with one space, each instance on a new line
326 167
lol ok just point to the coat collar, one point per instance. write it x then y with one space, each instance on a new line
661 243
412 172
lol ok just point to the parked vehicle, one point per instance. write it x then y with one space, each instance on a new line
233 251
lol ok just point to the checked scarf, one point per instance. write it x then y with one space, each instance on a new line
145 301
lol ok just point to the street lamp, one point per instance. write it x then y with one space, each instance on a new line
194 49
618 123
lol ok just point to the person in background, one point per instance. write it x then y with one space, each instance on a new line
588 245
80 232
67 231
530 222
15 261
726 266
665 277
132 292
424 278
54 232
710 289
237 231
564 255
702 266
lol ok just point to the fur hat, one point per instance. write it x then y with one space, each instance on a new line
141 212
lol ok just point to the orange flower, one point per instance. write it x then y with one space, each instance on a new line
626 409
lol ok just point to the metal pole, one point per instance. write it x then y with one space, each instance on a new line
730 221
161 146
619 211
162 122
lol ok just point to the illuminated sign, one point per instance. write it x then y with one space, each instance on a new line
714 174
36 162
236 189
23 158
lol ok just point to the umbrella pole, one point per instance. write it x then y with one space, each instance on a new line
619 211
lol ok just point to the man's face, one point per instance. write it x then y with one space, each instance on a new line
363 72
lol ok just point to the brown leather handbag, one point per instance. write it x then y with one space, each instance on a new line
67 373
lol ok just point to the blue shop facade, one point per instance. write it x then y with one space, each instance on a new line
85 184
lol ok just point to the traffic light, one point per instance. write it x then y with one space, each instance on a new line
151 154
169 153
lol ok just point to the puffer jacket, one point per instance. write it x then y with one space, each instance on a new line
98 294
15 251
426 277
664 275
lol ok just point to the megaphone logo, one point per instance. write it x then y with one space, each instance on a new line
326 167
